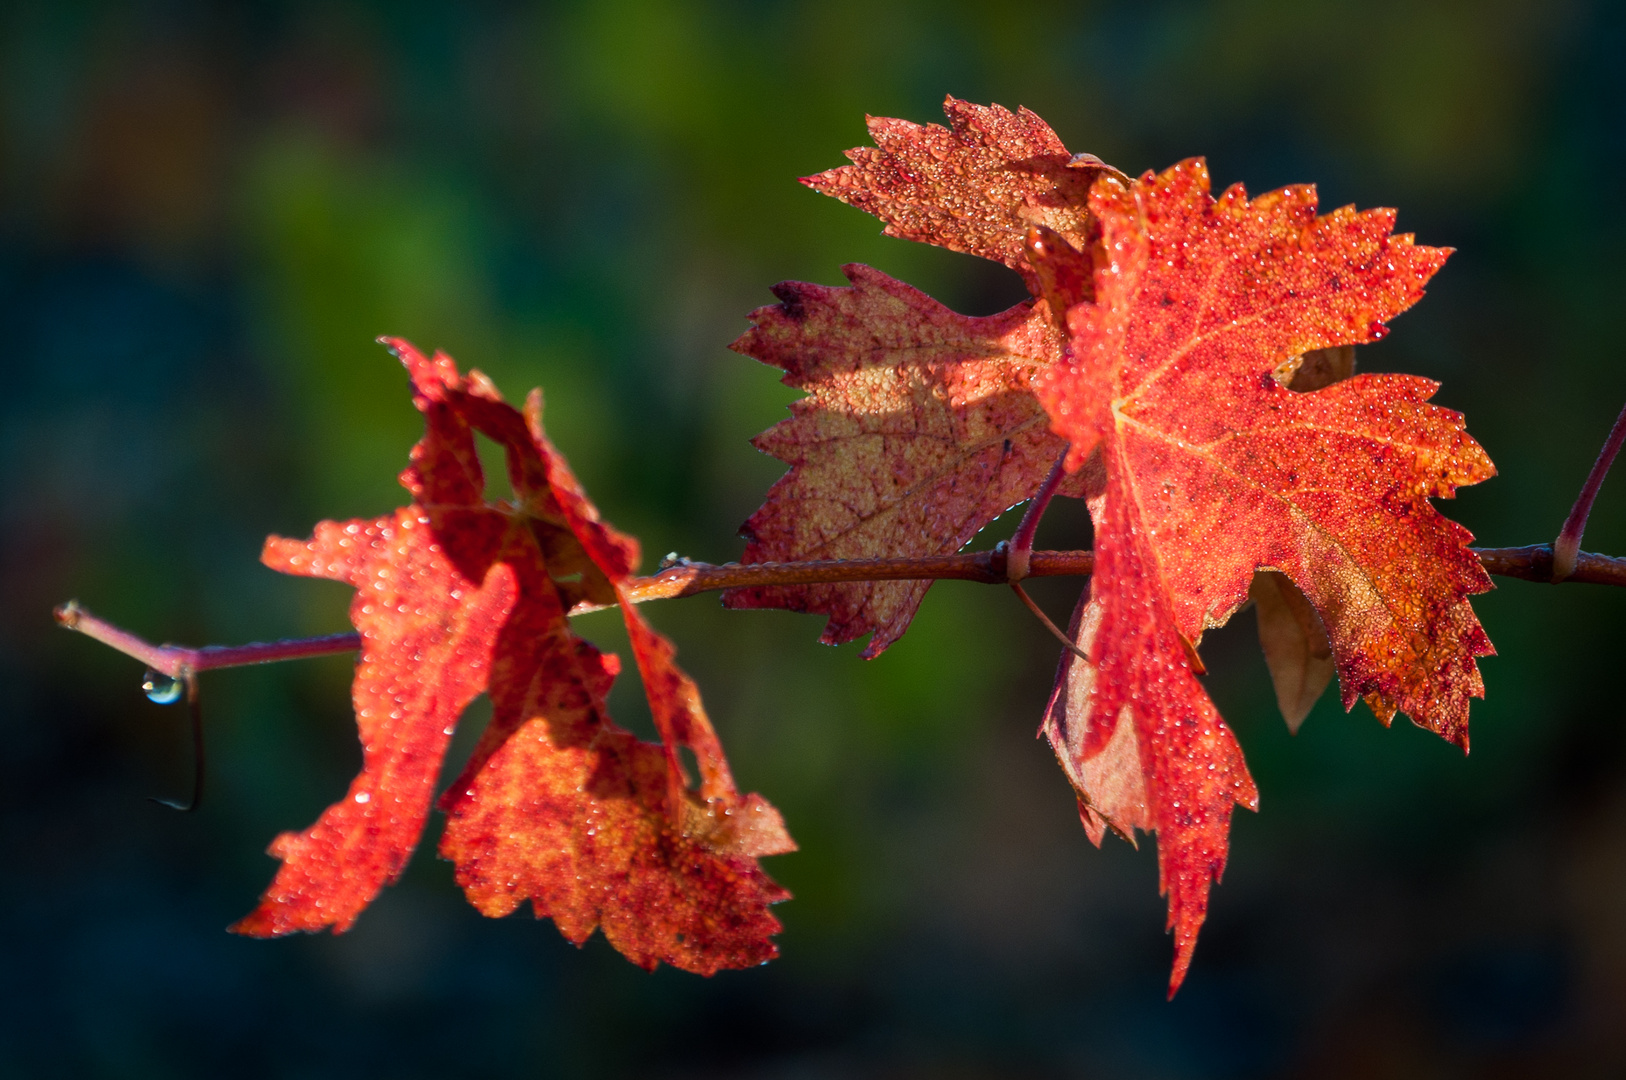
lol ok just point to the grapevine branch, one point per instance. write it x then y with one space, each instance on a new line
685 578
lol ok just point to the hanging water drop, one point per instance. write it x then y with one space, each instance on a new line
161 688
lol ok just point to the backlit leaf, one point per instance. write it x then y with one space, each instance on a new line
557 805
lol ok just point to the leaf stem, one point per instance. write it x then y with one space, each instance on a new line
1532 563
1568 545
1019 554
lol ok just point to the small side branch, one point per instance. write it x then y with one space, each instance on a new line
177 661
1055 631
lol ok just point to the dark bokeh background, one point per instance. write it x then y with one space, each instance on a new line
206 216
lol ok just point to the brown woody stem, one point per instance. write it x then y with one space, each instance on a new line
1533 563
988 567
1567 548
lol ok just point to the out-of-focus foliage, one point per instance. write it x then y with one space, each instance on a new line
207 214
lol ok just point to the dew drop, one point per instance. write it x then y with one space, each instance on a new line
164 689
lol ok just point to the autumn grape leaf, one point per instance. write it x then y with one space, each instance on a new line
920 426
1214 470
557 805
1204 392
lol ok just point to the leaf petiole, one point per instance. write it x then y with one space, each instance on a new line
1567 548
1019 554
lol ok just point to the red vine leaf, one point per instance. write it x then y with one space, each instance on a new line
1205 382
427 634
1213 470
558 805
920 427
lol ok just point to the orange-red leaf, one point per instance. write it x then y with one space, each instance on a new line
1215 470
1143 745
557 804
427 632
1185 321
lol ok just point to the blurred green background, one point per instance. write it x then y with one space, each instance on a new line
207 213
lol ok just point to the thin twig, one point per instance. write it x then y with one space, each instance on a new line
1022 595
1533 563
173 660
1568 545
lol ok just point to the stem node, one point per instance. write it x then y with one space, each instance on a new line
1019 552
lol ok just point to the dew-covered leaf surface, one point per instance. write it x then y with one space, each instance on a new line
558 805
1193 357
